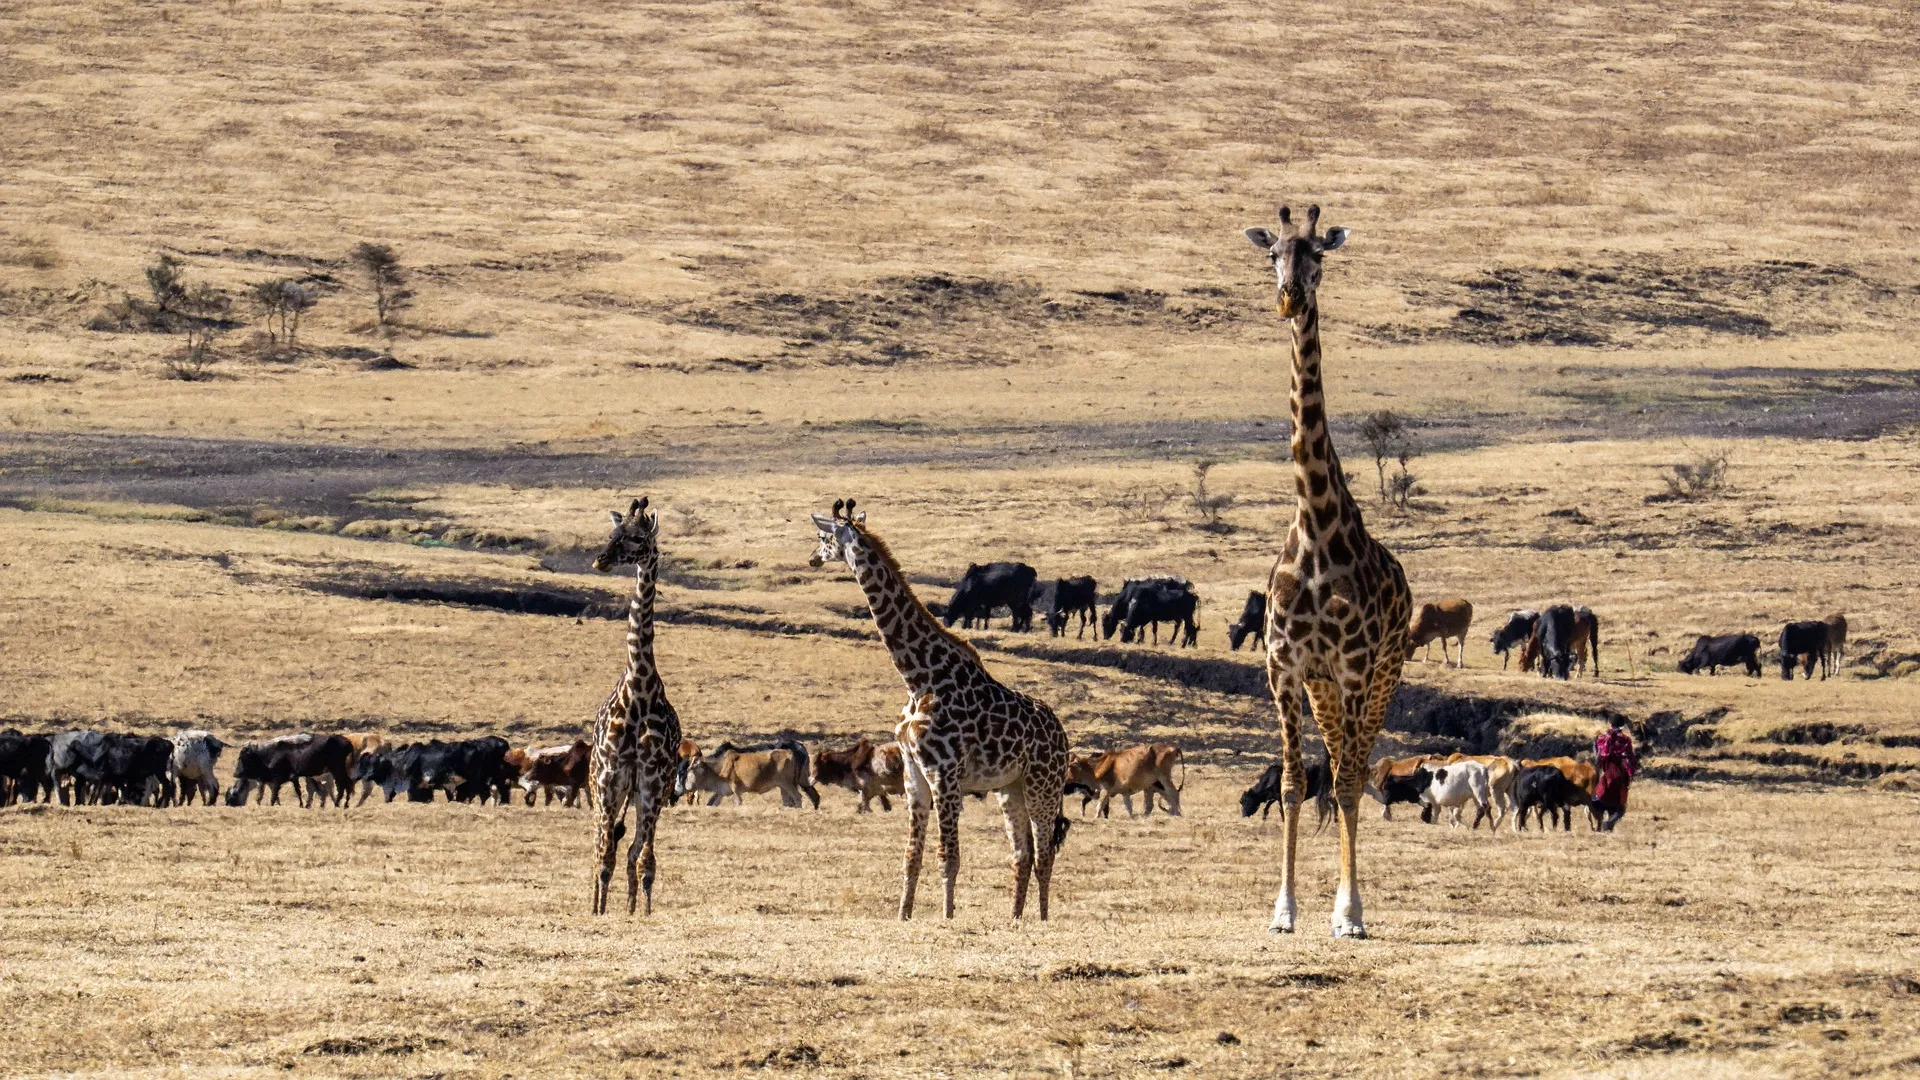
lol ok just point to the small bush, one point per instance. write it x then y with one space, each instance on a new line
1696 479
388 278
1144 505
1208 504
282 302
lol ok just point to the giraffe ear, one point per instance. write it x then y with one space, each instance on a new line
861 517
1262 238
1335 237
617 519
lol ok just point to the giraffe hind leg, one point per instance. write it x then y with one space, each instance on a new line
946 803
1013 803
640 854
919 802
1292 787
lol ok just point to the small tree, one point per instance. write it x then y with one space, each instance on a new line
1208 504
168 284
1696 479
282 302
194 362
389 280
1386 435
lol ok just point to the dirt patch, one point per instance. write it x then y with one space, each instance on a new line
1633 300
943 317
392 1045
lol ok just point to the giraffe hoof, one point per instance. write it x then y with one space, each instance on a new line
1276 928
1350 930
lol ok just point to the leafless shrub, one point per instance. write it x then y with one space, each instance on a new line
1209 505
1144 505
1386 436
388 278
194 361
1402 487
1696 479
692 521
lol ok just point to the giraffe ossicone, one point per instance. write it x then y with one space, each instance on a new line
1338 605
636 738
961 730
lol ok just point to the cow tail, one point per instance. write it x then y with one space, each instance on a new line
1596 646
1182 785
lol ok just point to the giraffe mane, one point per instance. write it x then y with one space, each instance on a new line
885 554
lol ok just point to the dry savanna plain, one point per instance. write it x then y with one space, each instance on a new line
980 267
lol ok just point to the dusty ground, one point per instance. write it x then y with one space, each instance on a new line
983 271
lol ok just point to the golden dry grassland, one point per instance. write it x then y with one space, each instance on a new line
981 268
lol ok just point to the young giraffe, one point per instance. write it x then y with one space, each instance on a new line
1337 602
961 730
636 739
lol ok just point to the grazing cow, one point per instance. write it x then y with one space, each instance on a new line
731 771
468 769
1397 780
983 588
1546 791
26 774
869 771
276 762
1253 621
1580 774
1556 635
1836 639
1264 795
1449 618
1145 602
392 769
1804 641
1072 596
563 767
1452 786
195 753
1518 630
1137 770
1714 653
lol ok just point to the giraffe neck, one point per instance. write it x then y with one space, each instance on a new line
921 648
643 679
1325 502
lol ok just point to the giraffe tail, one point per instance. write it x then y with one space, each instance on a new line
1061 824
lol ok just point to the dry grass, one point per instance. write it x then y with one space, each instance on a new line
982 270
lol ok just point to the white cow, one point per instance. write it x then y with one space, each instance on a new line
1454 786
195 753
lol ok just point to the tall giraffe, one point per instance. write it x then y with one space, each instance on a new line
962 731
636 739
1337 601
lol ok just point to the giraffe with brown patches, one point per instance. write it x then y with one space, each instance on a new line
1337 601
962 731
636 739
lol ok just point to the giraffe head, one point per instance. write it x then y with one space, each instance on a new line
837 533
635 539
1295 252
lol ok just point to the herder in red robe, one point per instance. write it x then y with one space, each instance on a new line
1615 760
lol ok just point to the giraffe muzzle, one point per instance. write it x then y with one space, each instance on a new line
816 562
1292 303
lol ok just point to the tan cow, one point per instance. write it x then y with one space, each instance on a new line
1836 639
1448 618
1137 770
1580 774
732 771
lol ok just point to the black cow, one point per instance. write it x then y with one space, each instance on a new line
1518 628
1151 601
277 762
1557 644
134 768
1264 795
25 770
1072 596
1806 640
1545 791
390 768
1714 653
983 588
465 770
1408 789
1253 622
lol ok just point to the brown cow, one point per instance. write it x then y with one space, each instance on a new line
1579 774
730 771
1449 618
546 768
1137 770
1836 639
869 771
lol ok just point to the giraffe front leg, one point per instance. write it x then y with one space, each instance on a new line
1293 771
919 803
946 807
1013 803
610 827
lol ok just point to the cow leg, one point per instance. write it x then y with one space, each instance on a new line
1013 803
1126 800
1293 776
811 792
1106 804
919 802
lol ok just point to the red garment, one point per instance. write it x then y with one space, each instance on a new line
1616 761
